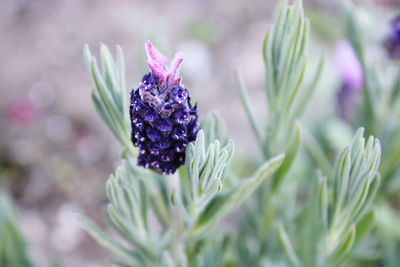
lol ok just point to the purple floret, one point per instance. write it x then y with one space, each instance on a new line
162 118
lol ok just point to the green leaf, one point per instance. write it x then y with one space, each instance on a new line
117 249
344 247
12 243
363 227
323 201
304 99
121 71
357 140
290 153
199 145
226 201
204 173
342 178
110 78
215 177
110 97
230 148
288 247
365 201
214 128
105 116
208 166
87 56
127 229
317 153
194 174
284 55
162 213
143 203
355 186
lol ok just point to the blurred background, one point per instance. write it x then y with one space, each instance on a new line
56 153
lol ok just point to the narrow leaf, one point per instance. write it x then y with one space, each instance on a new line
225 202
107 242
288 247
249 109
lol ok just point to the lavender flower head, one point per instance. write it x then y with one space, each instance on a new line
351 74
162 118
392 41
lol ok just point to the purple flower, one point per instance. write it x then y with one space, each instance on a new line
351 75
392 41
348 66
162 118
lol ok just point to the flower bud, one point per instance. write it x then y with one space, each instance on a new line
162 118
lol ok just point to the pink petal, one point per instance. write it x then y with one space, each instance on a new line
155 56
177 81
157 70
174 69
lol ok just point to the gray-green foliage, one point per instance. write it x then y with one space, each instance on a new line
339 211
380 108
284 52
215 126
288 93
12 244
379 113
196 204
111 97
185 208
128 213
204 169
173 221
338 214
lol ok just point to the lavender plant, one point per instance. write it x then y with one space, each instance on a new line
168 213
338 214
288 93
186 210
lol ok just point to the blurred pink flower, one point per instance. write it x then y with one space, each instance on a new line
351 75
348 66
22 111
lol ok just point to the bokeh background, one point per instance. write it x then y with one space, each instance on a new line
55 152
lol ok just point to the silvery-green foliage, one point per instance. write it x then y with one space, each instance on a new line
128 212
227 201
339 212
284 52
12 244
380 108
171 221
204 169
162 221
379 113
213 254
111 97
285 58
215 128
288 93
197 208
